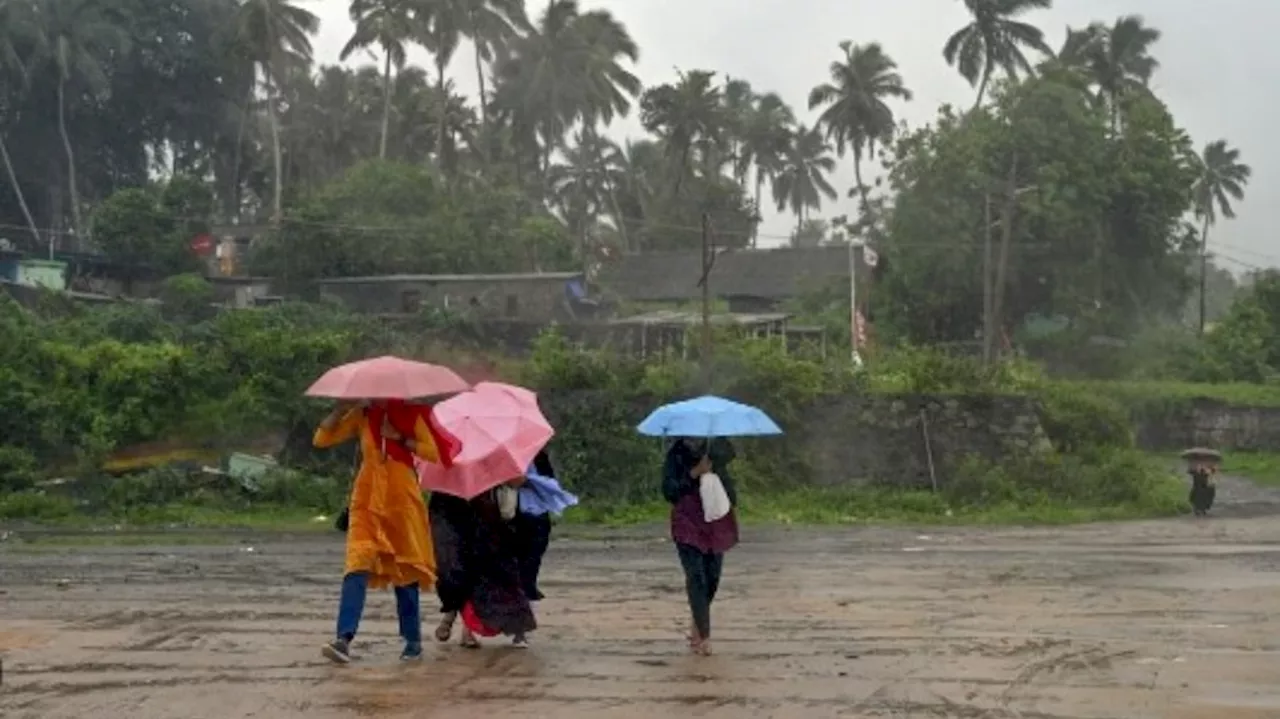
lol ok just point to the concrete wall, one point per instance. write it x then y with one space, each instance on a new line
1179 425
523 297
881 438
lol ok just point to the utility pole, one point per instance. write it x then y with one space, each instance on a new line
1204 272
1006 237
987 292
853 302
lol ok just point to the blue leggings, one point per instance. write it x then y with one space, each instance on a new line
355 587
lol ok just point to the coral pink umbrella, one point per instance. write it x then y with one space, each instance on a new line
387 377
501 430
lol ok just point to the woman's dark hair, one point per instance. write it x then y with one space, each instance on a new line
542 464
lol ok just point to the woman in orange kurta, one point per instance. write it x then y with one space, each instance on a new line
388 538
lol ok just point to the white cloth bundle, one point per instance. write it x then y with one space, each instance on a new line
508 501
715 501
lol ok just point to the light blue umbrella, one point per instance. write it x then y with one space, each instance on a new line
708 416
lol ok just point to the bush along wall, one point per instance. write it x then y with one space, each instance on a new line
80 383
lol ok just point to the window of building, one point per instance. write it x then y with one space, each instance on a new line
513 306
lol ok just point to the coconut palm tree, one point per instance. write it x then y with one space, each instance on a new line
739 101
492 25
388 24
689 117
16 30
994 41
640 167
78 38
578 184
801 182
857 114
1222 179
1117 59
610 87
766 135
440 25
277 34
570 67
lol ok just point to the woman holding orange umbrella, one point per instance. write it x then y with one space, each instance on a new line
388 537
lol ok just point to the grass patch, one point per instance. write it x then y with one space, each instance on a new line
1131 392
1050 489
878 507
1261 467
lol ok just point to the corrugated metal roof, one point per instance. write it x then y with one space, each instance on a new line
770 274
382 279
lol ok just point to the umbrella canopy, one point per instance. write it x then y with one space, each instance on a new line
501 430
708 416
387 377
1202 453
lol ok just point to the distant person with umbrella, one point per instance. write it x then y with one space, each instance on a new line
696 482
1202 465
388 538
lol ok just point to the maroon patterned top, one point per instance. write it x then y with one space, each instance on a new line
689 526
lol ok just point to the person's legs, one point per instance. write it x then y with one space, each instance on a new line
452 580
534 536
355 588
409 612
695 582
712 564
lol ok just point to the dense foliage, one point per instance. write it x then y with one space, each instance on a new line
1100 202
84 384
1066 197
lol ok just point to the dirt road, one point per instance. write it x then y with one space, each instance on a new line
1169 620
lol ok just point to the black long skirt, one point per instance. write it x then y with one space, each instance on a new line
498 593
453 529
532 537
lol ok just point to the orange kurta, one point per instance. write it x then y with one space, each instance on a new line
388 536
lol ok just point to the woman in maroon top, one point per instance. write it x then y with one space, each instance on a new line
700 544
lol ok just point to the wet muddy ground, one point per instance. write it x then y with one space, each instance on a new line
1171 620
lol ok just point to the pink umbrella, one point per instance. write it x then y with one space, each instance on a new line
387 377
501 430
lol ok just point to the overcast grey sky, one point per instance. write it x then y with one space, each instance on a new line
1218 68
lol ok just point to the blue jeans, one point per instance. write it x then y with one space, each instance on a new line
355 587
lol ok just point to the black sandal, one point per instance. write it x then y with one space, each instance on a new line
445 629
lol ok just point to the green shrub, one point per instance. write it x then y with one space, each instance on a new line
35 506
1078 421
1096 478
18 469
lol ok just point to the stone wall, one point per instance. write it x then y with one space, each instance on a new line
1181 424
881 438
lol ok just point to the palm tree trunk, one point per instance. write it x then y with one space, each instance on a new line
233 202
277 156
443 99
77 225
1115 113
755 228
1204 267
17 191
982 86
484 103
862 188
386 105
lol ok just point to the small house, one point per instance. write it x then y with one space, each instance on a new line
25 271
525 297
